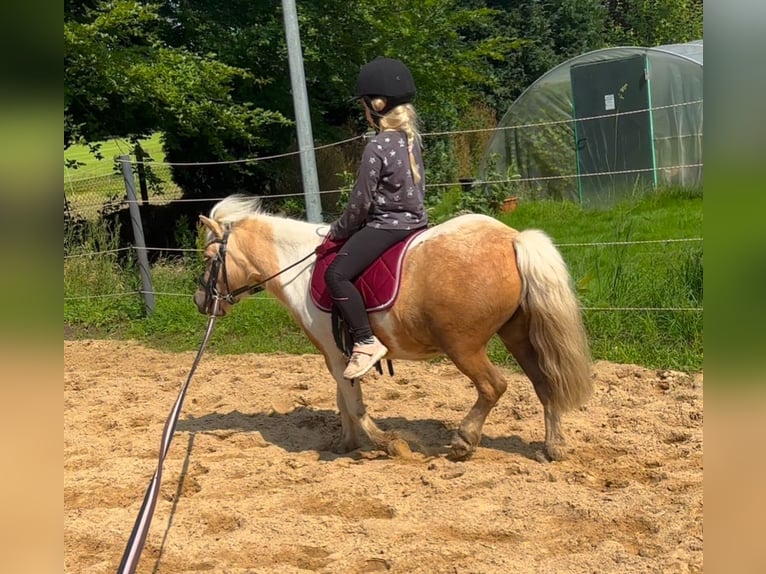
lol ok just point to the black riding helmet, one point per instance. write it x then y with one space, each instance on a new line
386 78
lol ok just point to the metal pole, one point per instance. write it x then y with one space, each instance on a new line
302 116
138 233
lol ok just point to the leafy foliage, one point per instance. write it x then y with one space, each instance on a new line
212 75
654 22
122 79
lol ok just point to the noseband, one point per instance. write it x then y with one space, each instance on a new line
212 293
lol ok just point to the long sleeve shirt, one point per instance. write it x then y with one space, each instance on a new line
385 195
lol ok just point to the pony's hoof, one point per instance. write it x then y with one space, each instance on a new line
341 446
556 452
460 448
399 448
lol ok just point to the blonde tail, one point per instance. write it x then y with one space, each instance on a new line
556 329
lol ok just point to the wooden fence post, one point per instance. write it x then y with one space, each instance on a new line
140 156
138 234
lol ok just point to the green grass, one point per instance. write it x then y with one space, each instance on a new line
100 284
655 275
98 182
110 149
611 276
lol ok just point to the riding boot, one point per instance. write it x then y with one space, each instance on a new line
363 358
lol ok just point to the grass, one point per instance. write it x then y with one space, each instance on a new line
109 149
100 284
639 275
99 182
663 275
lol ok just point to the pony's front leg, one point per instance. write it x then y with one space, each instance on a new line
350 393
349 435
354 417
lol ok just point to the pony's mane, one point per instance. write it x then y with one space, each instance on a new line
239 207
236 208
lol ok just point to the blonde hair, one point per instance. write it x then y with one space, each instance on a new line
401 118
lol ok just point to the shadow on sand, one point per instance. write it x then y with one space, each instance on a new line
307 428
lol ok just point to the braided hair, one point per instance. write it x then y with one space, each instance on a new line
400 118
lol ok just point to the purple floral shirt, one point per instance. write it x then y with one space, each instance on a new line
385 195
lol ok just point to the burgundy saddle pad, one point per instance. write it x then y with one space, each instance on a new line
378 284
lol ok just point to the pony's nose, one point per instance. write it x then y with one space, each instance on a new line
200 300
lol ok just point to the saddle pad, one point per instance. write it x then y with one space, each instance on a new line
378 284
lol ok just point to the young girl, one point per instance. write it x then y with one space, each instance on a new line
386 203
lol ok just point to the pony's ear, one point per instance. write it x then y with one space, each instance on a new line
213 226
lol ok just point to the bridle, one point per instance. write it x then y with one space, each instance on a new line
212 293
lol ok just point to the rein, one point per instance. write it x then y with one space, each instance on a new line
211 290
213 298
137 538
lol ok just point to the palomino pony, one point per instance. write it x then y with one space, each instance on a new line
463 281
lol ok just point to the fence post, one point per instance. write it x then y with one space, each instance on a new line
138 233
140 155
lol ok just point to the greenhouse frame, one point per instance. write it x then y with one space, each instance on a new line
604 125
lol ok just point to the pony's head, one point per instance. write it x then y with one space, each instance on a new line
226 278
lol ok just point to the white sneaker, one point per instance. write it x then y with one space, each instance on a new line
363 358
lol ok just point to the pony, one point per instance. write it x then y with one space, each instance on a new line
463 281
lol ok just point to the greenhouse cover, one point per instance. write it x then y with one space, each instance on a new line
603 125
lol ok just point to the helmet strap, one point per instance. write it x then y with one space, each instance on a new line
376 116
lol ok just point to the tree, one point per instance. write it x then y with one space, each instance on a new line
121 79
450 56
547 33
654 22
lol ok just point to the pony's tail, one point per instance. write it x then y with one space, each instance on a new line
555 324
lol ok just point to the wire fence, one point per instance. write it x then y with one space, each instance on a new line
88 197
595 244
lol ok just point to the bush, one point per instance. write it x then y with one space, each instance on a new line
99 284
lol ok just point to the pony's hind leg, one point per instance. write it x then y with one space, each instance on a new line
516 340
490 386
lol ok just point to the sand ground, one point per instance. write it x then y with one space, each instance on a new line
250 485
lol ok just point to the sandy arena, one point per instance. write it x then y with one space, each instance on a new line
250 485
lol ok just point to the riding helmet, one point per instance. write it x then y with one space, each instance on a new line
387 78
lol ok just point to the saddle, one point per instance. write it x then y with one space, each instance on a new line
378 285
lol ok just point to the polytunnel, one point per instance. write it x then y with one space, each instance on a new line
604 125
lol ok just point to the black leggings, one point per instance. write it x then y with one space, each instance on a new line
356 255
